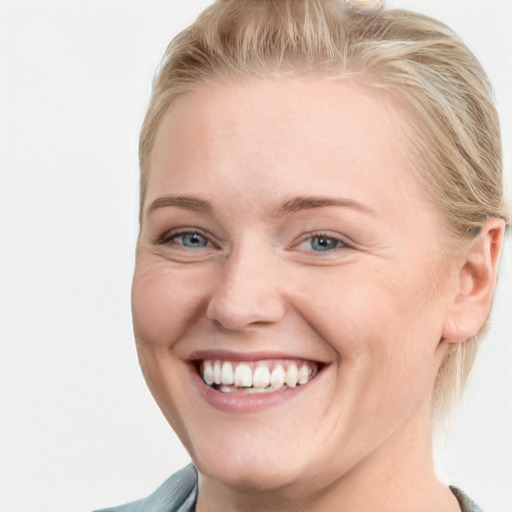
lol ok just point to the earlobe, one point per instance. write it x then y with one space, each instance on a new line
476 283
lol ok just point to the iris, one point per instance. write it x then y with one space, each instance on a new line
193 240
323 243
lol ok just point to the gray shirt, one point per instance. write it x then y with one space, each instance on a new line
179 494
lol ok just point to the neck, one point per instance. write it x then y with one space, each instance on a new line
397 477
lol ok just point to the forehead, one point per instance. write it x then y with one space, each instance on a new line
291 132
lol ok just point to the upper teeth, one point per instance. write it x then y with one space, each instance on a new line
269 375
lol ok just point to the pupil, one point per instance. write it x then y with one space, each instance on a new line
323 243
193 240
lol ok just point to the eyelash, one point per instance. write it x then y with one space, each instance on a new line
340 243
170 239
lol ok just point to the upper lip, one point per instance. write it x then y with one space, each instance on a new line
230 355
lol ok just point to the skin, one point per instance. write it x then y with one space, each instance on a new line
373 309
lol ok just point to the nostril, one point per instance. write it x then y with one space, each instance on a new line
257 308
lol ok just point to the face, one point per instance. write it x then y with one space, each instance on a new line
288 299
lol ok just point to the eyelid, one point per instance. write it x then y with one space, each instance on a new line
167 237
346 244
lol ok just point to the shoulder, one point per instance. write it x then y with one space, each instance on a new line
177 494
465 502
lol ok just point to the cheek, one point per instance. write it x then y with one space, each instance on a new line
380 323
354 308
164 302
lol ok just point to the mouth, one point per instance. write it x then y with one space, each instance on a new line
264 376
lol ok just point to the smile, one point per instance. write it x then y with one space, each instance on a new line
264 376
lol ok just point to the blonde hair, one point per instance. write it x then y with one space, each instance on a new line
417 59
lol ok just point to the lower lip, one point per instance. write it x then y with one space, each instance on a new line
240 402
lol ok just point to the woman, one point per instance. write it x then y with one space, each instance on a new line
322 215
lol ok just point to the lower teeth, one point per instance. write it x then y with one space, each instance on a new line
229 389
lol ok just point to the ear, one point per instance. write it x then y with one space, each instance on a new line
475 284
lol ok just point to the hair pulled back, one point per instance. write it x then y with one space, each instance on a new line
416 59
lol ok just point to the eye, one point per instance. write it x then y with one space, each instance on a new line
321 243
192 240
184 239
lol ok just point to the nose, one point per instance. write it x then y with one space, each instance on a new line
248 293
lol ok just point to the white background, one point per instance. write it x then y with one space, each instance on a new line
79 430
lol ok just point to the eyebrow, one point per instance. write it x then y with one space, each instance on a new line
186 202
288 207
308 202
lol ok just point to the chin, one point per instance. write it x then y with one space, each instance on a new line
261 478
248 468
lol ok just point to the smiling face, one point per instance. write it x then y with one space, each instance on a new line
284 242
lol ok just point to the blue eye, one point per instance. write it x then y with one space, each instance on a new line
323 243
192 240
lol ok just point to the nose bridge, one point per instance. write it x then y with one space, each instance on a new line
248 289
